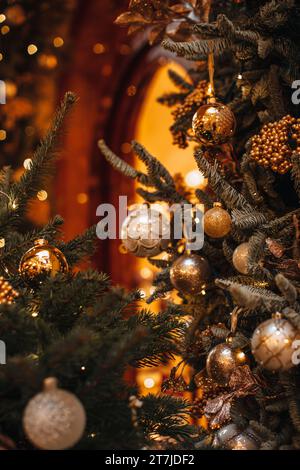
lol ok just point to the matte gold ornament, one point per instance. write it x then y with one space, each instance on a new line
221 361
54 419
42 261
214 124
240 258
272 343
189 273
217 222
231 437
145 231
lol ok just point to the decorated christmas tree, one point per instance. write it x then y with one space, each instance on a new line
236 110
70 341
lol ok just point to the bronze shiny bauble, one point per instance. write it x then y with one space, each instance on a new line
42 261
240 258
221 361
214 124
54 419
272 344
189 273
231 437
145 231
217 222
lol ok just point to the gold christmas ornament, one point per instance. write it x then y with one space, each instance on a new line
7 293
217 222
42 261
272 344
54 419
240 258
145 231
274 145
231 437
214 124
189 273
221 361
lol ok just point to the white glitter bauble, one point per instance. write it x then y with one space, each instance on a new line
231 437
272 343
145 232
54 419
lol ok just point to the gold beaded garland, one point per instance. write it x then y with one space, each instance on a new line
274 145
217 222
214 124
7 292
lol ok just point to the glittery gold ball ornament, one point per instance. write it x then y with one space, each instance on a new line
54 419
189 273
214 124
42 261
145 231
217 222
221 361
231 437
272 344
240 258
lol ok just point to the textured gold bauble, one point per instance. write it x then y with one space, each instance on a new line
272 344
54 419
217 222
221 361
231 437
240 258
145 231
189 273
214 124
42 261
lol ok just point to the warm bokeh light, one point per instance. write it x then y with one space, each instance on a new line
42 195
98 48
82 198
58 42
32 49
146 273
2 134
27 163
194 179
149 382
5 29
2 18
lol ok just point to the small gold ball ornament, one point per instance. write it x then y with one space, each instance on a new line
240 258
222 360
217 222
145 231
214 124
189 273
233 438
42 261
272 344
54 419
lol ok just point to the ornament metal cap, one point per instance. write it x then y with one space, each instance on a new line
50 383
40 242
